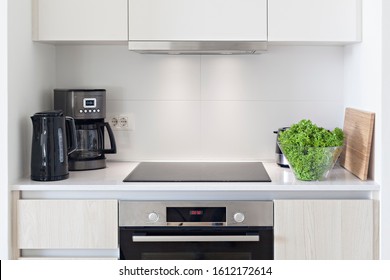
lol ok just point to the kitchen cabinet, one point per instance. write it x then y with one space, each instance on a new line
198 20
81 210
324 229
318 21
314 21
67 224
79 20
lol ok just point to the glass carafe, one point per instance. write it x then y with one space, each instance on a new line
89 142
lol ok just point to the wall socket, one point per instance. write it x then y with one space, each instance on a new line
124 122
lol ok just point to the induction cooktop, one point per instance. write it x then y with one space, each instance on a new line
198 172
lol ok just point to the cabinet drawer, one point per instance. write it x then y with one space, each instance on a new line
67 224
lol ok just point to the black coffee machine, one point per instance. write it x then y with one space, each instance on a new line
88 108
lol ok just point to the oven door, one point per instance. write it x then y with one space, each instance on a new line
189 243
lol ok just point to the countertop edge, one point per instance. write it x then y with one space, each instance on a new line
110 179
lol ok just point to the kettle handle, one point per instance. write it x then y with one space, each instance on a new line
71 129
112 150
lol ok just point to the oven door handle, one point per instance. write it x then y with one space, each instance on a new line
196 238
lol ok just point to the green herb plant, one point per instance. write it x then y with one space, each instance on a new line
311 150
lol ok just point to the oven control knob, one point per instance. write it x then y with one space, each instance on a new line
239 217
153 217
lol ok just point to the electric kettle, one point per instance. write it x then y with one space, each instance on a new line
281 160
54 138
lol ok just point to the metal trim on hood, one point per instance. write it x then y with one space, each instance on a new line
198 47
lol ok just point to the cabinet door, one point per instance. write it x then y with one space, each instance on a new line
80 20
67 224
324 229
314 20
201 20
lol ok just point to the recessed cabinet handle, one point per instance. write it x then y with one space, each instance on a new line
196 238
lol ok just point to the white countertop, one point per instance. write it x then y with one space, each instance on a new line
110 179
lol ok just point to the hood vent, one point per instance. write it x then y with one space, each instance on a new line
198 47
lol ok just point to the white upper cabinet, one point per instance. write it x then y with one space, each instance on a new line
198 20
314 21
317 21
80 20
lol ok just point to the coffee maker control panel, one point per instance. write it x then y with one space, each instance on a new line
81 104
89 106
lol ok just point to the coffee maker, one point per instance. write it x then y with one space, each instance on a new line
88 108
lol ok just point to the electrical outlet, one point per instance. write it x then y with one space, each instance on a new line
113 121
124 122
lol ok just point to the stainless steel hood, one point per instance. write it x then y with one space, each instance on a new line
198 47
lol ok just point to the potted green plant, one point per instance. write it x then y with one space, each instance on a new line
310 150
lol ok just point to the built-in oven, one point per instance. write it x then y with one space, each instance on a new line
184 230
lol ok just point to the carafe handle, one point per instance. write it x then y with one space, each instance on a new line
71 130
112 150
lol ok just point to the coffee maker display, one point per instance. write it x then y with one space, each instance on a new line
54 138
88 108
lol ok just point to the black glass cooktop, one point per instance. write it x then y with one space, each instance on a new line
198 172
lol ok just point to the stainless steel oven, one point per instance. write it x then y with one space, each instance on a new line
179 230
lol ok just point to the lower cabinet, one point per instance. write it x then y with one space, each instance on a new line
67 224
324 229
303 229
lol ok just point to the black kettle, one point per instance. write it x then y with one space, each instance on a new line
54 137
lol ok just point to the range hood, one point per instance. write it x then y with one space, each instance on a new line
198 27
197 47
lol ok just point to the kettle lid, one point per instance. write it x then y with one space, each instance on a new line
52 113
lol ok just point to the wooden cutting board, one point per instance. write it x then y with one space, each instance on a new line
358 130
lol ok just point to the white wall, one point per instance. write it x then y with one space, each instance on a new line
363 76
209 107
363 89
4 221
31 70
385 190
31 77
367 80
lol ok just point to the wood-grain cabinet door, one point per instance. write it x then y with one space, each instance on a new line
67 224
324 229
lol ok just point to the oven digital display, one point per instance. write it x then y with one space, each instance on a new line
196 214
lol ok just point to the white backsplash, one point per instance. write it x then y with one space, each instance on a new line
209 107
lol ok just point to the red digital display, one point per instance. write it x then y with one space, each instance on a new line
196 212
